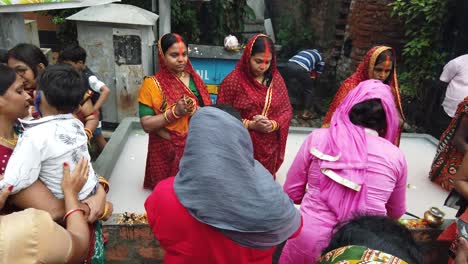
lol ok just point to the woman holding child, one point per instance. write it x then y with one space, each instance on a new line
167 100
14 104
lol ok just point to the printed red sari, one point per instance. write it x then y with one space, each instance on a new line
250 98
364 72
448 158
160 92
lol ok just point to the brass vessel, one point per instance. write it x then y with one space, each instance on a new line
434 217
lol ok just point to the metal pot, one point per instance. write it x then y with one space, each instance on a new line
434 217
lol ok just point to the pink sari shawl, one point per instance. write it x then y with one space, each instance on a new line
347 147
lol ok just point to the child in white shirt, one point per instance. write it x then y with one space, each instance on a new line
57 138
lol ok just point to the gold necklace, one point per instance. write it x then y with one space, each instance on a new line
11 142
182 75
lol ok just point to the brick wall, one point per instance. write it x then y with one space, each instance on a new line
369 23
136 244
132 244
346 29
43 22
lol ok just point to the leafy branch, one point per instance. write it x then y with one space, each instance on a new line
423 53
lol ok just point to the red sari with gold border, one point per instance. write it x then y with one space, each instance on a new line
159 93
365 71
250 98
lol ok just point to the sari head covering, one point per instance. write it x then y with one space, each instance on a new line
251 98
358 255
347 146
221 184
365 71
173 87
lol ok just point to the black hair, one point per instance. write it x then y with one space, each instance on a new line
370 114
383 57
30 55
7 78
229 109
73 53
3 56
169 39
63 87
259 47
378 233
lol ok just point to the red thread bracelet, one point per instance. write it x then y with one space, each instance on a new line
71 212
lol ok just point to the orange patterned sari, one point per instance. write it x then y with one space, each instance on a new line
364 72
160 92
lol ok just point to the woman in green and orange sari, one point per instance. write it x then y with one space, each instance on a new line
167 100
378 63
452 147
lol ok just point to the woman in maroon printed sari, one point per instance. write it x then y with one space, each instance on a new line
256 89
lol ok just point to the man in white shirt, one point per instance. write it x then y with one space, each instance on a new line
455 79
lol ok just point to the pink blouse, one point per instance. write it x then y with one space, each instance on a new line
386 187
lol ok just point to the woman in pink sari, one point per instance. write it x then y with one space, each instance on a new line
350 168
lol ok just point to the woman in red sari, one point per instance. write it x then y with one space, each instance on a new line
256 89
167 100
379 63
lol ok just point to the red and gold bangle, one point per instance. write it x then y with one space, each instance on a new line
173 117
174 113
105 184
274 125
106 208
89 133
166 117
246 123
71 212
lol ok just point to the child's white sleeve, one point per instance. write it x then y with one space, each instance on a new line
24 165
95 84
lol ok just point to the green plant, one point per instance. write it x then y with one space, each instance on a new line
423 54
200 22
220 18
184 20
295 32
59 15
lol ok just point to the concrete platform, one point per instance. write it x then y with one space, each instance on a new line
123 161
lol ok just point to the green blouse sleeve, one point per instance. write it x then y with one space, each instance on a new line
145 110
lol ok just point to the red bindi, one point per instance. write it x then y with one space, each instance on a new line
181 47
267 52
388 61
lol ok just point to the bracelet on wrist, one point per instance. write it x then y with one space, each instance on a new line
246 123
166 116
274 125
89 133
104 183
106 209
174 112
71 212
